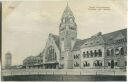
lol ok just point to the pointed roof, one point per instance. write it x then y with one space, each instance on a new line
67 8
67 11
56 39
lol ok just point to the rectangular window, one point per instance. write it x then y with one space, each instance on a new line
84 55
116 63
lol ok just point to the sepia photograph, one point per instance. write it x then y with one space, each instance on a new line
64 40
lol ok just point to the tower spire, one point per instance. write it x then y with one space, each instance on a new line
67 11
67 16
67 3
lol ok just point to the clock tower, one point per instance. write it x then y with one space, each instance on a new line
68 34
67 30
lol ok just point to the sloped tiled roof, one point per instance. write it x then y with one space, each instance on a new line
56 38
41 54
110 36
78 43
106 37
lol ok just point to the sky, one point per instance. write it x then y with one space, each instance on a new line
26 24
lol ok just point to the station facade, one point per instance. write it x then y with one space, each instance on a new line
66 51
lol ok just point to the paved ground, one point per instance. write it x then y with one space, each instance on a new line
64 78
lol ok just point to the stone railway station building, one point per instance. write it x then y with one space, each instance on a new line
66 51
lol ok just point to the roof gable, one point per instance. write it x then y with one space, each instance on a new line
56 39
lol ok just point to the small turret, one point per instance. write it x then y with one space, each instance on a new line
8 60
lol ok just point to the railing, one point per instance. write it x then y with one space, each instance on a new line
11 72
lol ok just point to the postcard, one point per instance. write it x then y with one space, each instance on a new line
64 40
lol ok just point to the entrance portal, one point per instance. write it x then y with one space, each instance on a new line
51 66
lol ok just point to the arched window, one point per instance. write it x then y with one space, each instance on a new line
76 64
84 55
74 56
51 54
91 53
101 64
117 51
122 51
125 63
97 63
112 52
94 64
100 53
55 56
95 53
87 54
78 56
52 50
86 64
109 64
116 63
108 53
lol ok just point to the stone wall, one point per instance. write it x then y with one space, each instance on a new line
63 72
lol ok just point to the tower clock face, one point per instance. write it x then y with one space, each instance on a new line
71 20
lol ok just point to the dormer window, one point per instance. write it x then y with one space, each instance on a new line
86 44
